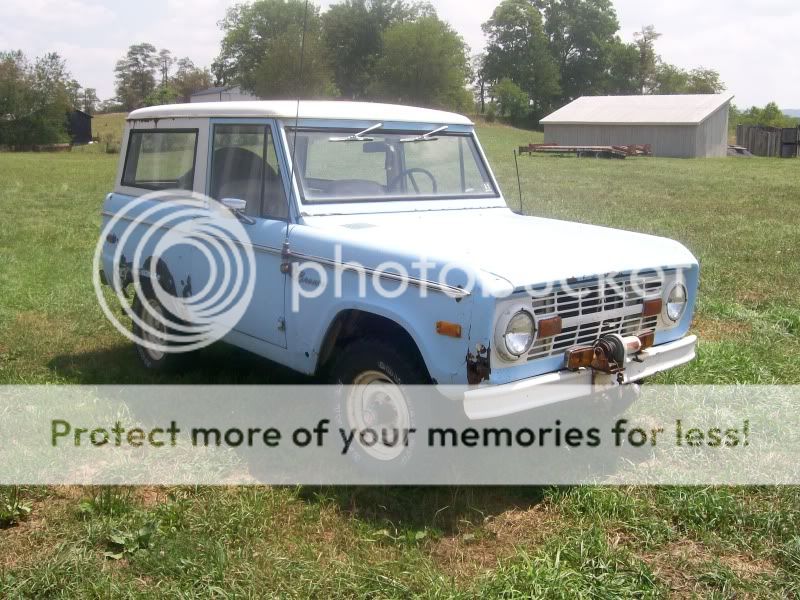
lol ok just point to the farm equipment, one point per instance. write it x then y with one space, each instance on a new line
589 151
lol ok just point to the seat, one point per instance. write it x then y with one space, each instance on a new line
238 172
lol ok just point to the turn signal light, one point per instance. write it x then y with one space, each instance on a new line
652 308
449 329
580 358
549 327
648 339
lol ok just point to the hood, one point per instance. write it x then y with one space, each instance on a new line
521 250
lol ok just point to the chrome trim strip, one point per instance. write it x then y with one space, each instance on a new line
256 247
453 292
449 290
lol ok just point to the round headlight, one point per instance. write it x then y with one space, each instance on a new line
519 334
676 302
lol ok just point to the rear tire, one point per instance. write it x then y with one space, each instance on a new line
153 360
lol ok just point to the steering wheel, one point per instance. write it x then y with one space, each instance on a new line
392 185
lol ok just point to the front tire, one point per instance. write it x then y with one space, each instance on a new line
372 379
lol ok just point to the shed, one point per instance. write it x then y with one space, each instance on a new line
79 127
221 94
682 126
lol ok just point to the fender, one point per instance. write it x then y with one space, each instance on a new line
443 356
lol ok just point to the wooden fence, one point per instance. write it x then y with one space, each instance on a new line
769 141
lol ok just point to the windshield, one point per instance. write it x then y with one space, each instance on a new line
353 165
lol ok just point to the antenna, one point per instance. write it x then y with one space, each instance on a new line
519 183
285 249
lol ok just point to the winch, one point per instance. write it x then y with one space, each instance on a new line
608 354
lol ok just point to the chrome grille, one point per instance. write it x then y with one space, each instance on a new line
594 308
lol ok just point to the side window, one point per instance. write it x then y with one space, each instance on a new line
160 160
244 165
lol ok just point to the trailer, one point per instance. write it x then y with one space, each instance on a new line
589 151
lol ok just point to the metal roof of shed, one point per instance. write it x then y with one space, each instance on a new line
309 109
639 110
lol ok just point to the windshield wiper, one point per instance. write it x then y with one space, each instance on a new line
357 137
425 137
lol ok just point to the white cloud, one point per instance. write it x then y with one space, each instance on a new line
55 14
746 41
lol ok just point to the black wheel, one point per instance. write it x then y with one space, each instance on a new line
152 358
372 377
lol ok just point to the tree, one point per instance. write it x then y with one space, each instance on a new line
478 71
189 79
512 100
581 37
110 105
34 99
135 75
705 81
622 75
648 59
517 48
165 62
354 39
163 94
90 101
769 116
423 62
670 79
353 35
16 97
261 50
392 12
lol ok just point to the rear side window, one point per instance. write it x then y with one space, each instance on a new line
161 160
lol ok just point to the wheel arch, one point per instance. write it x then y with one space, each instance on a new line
350 324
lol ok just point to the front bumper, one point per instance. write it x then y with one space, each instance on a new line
501 400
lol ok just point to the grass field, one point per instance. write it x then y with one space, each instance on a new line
740 217
109 127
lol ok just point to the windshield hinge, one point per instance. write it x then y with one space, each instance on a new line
425 137
357 137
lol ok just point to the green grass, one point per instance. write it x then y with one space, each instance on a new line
109 127
740 217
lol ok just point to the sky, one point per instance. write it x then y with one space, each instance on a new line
748 41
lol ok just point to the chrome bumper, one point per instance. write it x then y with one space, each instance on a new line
501 400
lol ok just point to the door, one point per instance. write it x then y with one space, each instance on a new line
244 166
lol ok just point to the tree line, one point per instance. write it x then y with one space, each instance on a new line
147 77
35 97
542 54
769 116
539 55
357 49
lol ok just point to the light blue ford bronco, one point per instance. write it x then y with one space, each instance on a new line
371 243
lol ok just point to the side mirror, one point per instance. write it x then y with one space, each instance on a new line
234 204
237 206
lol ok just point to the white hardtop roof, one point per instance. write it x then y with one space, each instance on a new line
639 110
309 109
